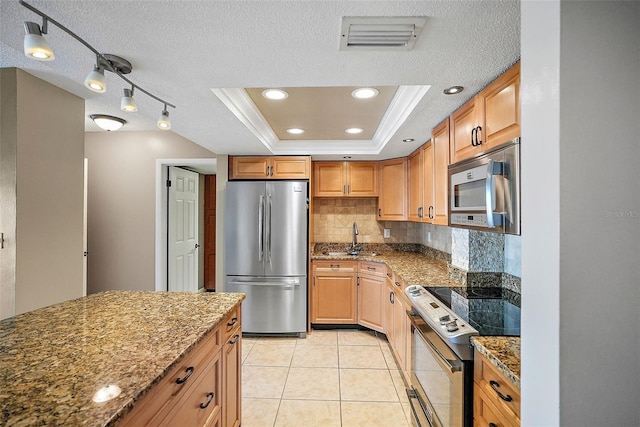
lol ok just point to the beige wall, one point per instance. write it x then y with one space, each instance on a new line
42 193
122 204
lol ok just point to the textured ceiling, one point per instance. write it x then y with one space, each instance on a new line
180 50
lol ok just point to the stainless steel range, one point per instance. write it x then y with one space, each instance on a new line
443 322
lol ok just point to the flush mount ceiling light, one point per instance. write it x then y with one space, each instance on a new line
453 90
354 131
295 131
36 47
107 122
365 93
275 94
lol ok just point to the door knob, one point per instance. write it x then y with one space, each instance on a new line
197 246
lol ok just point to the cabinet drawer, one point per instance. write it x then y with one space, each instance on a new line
160 401
486 413
493 383
231 323
337 266
202 403
377 268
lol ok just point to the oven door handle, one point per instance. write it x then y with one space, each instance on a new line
443 361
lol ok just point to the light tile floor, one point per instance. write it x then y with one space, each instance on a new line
342 378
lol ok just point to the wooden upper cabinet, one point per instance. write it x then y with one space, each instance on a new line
345 179
392 197
416 185
501 105
428 183
490 118
265 167
440 188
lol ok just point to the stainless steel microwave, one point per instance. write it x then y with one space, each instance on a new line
484 192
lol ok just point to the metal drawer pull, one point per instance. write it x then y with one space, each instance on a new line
210 396
233 322
235 339
495 386
184 379
493 425
398 284
371 268
335 265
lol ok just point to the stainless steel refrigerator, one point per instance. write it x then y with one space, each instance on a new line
266 235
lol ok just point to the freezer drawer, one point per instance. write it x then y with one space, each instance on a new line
273 304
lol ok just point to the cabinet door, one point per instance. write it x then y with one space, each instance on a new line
387 310
290 167
370 301
329 179
463 121
501 105
231 379
428 183
248 167
392 199
399 331
440 141
362 179
334 299
416 185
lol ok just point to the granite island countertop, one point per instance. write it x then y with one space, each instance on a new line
503 353
54 359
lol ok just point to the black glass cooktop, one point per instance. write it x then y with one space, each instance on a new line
492 311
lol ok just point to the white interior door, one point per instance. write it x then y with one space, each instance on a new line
183 230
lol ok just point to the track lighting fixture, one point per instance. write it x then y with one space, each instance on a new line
163 122
128 104
95 79
36 47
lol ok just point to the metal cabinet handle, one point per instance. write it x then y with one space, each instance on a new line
379 212
398 284
234 340
389 275
392 299
495 386
335 265
478 141
493 425
431 209
184 379
233 322
210 396
371 268
473 133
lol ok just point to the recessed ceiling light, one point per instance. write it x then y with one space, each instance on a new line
408 140
365 93
354 131
453 90
275 94
295 131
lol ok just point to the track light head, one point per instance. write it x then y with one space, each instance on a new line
128 104
164 122
95 80
35 46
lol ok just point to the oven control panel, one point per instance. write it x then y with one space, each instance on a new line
439 317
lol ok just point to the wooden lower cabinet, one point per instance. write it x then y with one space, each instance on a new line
334 292
200 390
496 401
371 282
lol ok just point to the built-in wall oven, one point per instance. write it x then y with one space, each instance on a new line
442 324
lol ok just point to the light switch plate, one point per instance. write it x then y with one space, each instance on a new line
387 233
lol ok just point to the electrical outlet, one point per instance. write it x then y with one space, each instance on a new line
387 233
428 236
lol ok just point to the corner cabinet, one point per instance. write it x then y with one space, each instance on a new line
334 292
265 167
203 389
345 179
392 198
489 119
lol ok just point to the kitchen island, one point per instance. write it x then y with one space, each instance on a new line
54 360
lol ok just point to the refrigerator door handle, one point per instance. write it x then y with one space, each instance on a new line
268 254
260 227
280 285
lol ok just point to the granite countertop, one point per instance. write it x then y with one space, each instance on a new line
414 268
503 353
53 360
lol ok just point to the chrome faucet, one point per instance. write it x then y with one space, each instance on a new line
354 240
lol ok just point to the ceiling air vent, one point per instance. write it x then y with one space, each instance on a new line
380 32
